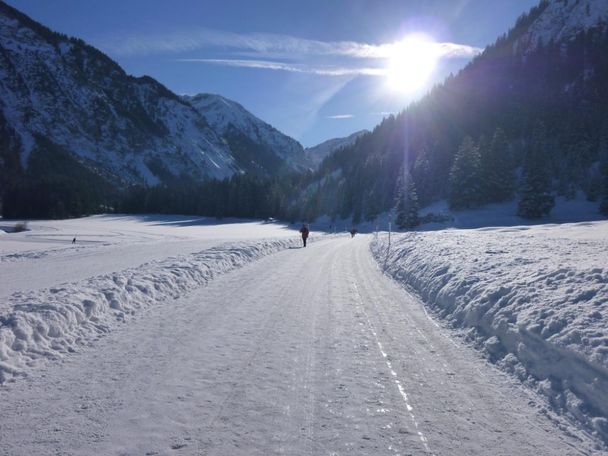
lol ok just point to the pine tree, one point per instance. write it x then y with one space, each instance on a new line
497 169
421 174
406 205
604 200
535 197
465 176
603 158
371 206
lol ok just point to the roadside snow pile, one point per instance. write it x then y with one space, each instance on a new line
50 323
535 299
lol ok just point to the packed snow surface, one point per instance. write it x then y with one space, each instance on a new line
66 295
303 352
535 298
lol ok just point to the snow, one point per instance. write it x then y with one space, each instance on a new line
533 298
223 114
306 351
115 139
58 296
44 256
504 214
563 19
318 153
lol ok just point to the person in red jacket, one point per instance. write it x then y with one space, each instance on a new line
305 232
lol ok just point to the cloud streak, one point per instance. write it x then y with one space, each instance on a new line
265 45
292 67
340 116
382 113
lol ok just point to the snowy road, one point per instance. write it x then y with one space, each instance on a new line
308 351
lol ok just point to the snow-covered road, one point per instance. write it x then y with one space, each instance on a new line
307 351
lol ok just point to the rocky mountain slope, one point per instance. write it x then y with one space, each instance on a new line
55 89
61 99
317 154
562 20
257 146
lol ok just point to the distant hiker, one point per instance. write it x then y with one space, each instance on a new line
305 232
74 241
352 232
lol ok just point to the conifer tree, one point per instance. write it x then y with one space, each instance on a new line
535 196
371 206
421 174
406 204
497 169
604 196
465 176
603 158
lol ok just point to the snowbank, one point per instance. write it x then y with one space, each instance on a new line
50 323
535 299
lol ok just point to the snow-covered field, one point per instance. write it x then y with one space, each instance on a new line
533 298
44 256
56 297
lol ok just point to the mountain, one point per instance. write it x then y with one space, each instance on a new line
75 128
317 154
257 146
526 119
60 91
561 21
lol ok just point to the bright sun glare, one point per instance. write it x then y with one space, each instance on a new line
411 64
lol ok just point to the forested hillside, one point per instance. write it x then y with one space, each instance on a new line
525 119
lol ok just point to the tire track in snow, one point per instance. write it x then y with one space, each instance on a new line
394 375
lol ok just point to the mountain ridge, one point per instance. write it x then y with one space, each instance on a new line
126 129
316 154
231 120
561 20
75 96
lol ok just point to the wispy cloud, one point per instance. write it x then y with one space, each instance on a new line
382 113
340 116
293 67
265 45
279 52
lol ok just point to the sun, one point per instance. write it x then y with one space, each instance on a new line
411 63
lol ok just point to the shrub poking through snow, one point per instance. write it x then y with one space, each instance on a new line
20 227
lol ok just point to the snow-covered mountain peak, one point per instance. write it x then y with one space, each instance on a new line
316 154
59 91
220 112
561 20
231 119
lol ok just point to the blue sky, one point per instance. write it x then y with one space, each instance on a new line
313 69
